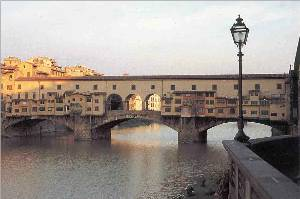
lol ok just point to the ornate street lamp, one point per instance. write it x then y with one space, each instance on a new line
239 33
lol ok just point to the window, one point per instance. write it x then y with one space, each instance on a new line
33 95
173 87
42 87
257 86
88 99
19 95
24 110
77 86
236 87
59 100
88 109
10 77
177 101
211 94
73 99
34 109
133 87
177 109
16 110
42 102
42 109
264 112
254 102
60 108
168 109
1 86
210 110
152 86
167 101
232 111
253 112
49 109
28 74
26 95
96 108
279 86
274 114
231 101
214 87
246 102
194 87
96 101
114 87
43 96
58 87
19 86
211 101
9 87
207 102
244 112
95 87
220 110
80 99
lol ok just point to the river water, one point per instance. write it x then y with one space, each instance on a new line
139 162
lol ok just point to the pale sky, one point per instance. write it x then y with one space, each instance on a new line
148 38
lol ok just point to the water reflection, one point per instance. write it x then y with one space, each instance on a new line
139 162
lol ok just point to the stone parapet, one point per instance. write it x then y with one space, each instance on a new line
252 177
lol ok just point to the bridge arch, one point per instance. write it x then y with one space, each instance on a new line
114 102
153 102
25 125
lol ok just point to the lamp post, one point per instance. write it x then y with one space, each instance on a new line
239 33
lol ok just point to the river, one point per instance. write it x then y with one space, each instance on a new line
139 162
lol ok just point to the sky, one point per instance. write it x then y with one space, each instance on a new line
152 38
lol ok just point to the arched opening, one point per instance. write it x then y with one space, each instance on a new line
153 102
134 102
37 127
136 131
227 131
114 102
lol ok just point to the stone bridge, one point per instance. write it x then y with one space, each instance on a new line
190 129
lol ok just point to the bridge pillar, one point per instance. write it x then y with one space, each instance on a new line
82 128
189 132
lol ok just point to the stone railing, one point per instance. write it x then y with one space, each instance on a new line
253 178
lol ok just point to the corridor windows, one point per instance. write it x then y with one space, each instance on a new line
58 87
236 87
77 86
257 86
214 87
173 87
42 87
114 87
152 87
19 86
97 108
194 87
95 87
279 86
133 87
